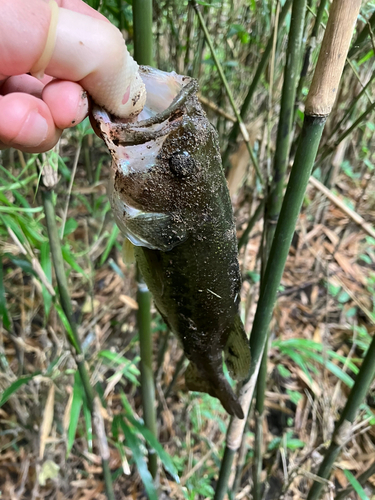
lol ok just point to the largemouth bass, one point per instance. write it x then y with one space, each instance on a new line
170 199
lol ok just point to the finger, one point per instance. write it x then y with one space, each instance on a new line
27 123
23 83
24 26
67 102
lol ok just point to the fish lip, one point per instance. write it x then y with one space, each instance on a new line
139 132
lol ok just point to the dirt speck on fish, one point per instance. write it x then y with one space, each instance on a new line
170 199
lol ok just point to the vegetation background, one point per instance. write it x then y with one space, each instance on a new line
56 440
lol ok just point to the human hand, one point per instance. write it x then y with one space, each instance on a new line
88 54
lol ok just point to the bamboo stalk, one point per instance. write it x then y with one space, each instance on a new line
142 23
240 122
232 140
273 204
147 377
343 428
318 106
275 194
142 18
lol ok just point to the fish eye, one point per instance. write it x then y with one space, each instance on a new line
182 164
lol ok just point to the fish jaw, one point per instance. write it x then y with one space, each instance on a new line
136 148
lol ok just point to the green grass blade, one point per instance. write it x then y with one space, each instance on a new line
356 486
67 327
69 259
74 411
3 303
15 386
88 422
45 262
135 445
154 443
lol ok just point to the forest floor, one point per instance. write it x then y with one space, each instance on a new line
323 322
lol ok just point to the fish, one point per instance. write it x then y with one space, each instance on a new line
170 199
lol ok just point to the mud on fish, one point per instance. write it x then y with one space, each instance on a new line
170 199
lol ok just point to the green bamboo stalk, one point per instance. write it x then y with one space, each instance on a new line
142 21
275 194
147 377
304 160
274 201
142 24
225 470
259 416
343 428
318 106
62 284
240 122
232 140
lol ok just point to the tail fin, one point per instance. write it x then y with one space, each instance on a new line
221 390
237 351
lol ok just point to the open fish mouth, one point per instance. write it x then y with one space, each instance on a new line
135 147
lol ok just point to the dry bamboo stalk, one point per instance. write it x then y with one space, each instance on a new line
332 57
367 228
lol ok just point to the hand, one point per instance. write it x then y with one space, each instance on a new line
87 53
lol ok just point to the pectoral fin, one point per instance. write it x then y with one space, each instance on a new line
237 351
156 231
220 389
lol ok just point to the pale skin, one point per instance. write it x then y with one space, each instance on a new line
87 51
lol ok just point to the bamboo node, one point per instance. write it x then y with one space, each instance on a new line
343 433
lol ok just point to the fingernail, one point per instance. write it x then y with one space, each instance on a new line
33 131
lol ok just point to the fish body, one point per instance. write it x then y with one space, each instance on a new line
170 199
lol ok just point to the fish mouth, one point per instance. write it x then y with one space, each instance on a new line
135 146
167 93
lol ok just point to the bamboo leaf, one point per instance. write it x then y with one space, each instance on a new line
69 259
15 386
3 303
45 262
67 326
356 486
135 445
154 443
74 411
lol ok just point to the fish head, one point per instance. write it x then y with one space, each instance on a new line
157 175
